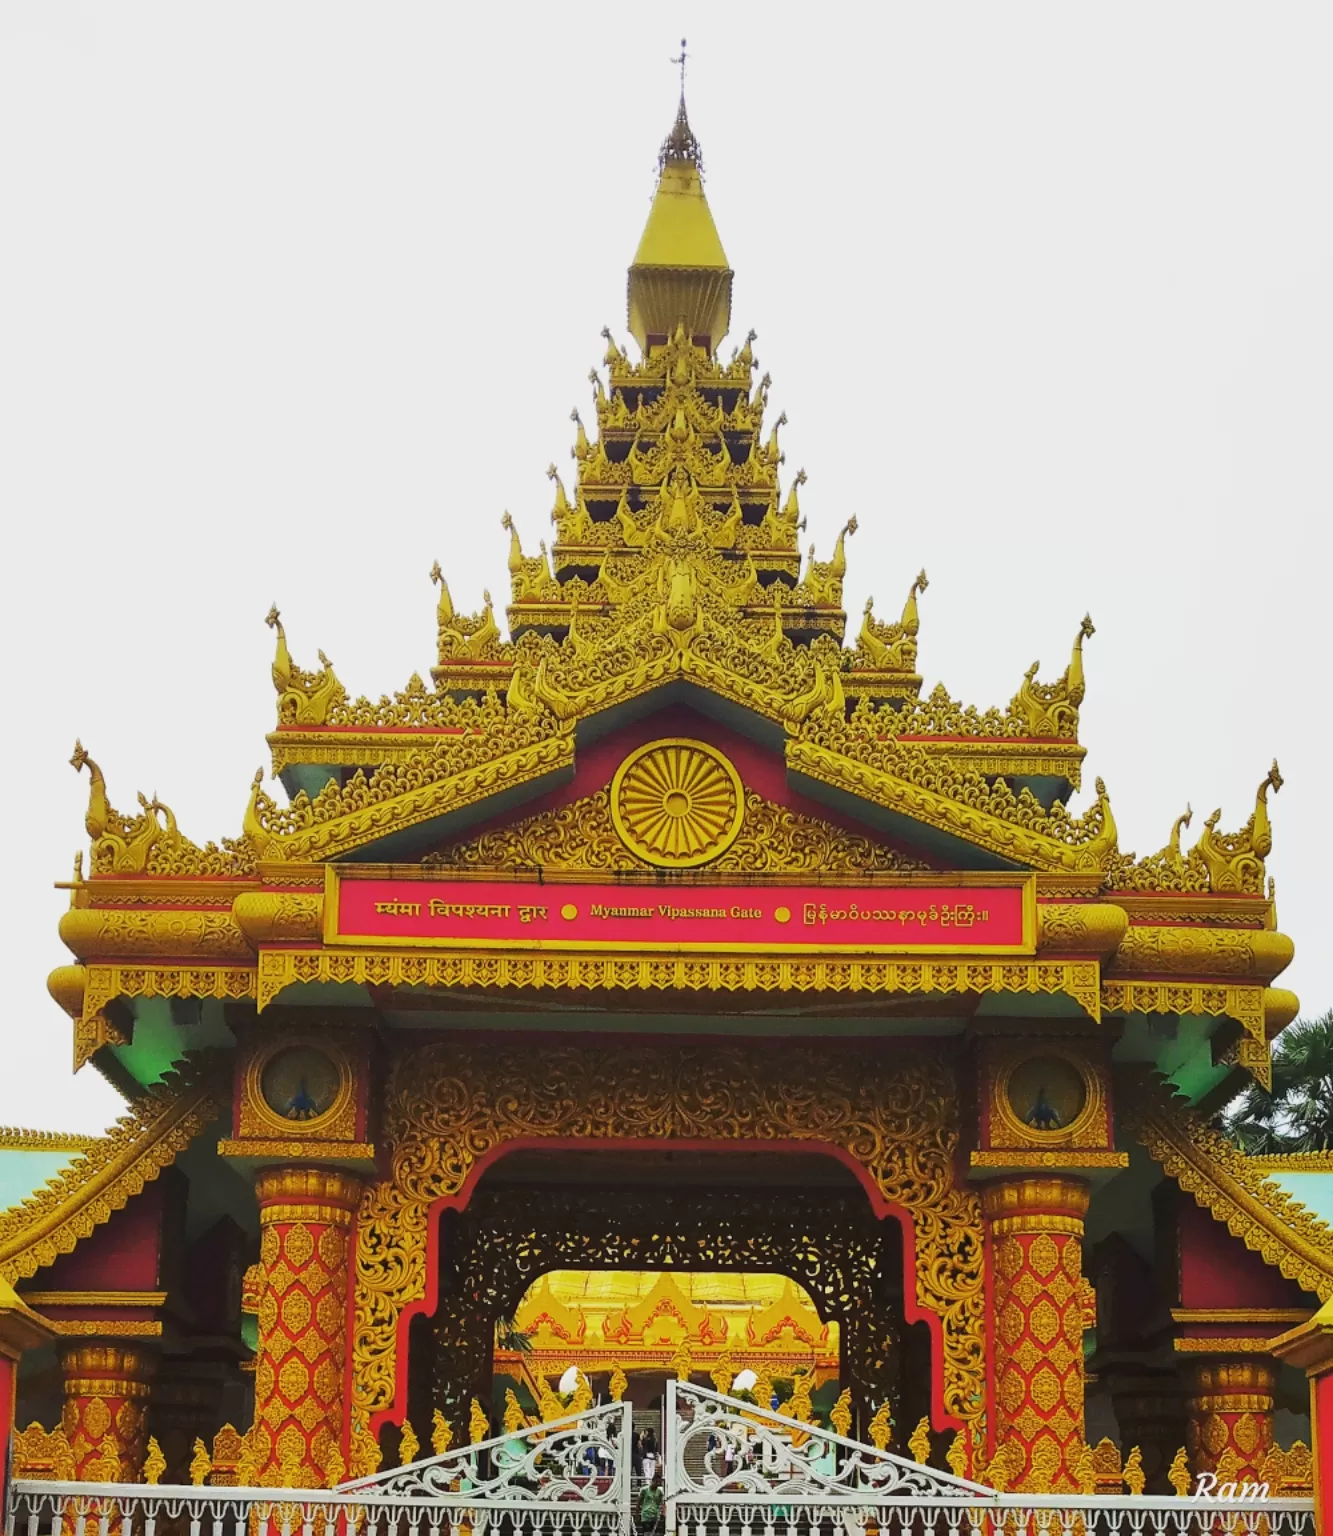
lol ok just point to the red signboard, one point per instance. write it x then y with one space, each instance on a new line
925 918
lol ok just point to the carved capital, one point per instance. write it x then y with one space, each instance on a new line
279 1190
1036 1204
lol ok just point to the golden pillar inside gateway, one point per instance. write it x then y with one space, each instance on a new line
305 1216
105 1413
1230 1405
1036 1228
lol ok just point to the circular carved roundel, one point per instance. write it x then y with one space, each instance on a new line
677 803
1046 1093
300 1083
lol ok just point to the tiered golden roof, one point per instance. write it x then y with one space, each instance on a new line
675 576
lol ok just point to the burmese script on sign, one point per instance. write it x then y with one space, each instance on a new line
431 912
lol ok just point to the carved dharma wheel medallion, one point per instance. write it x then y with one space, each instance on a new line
677 803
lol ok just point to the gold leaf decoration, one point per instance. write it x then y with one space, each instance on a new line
773 839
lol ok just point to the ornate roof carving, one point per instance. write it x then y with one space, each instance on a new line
1234 1189
110 1172
14 1138
150 843
676 557
1225 863
580 836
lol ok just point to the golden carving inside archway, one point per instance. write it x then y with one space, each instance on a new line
451 1104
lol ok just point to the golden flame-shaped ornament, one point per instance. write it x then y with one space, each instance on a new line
677 803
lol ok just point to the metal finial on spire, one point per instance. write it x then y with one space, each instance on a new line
681 62
680 143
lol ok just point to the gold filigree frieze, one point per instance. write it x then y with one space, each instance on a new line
101 1180
1232 1189
773 839
1008 759
1076 979
104 983
457 772
447 1105
961 803
1047 1157
106 1328
1244 1004
1292 1162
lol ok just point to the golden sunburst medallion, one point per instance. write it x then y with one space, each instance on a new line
677 803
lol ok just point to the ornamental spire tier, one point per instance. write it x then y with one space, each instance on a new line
680 277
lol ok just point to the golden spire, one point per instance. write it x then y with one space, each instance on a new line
680 270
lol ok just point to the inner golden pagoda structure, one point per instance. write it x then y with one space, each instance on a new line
669 945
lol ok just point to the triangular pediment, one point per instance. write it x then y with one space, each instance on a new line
582 838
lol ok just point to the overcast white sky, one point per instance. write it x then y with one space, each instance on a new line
296 298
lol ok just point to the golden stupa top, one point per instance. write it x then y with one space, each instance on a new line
680 275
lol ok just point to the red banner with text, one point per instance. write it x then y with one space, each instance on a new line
992 918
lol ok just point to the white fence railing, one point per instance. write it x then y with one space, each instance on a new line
731 1469
734 1469
117 1509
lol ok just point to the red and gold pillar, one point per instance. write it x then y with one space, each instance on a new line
1310 1348
21 1329
1036 1232
305 1218
1230 1408
105 1417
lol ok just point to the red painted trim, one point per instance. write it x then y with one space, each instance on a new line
349 1359
988 1262
913 1312
1321 1436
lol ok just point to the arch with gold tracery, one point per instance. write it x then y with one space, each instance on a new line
452 1107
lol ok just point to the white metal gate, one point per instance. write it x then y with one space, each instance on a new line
734 1467
731 1469
570 1475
